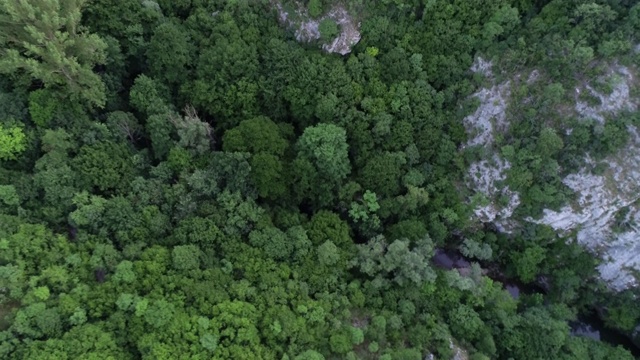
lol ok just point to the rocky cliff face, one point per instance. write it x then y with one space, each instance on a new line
605 215
607 211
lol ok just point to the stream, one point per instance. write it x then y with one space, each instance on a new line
589 326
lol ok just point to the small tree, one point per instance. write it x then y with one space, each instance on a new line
315 8
328 29
42 106
12 142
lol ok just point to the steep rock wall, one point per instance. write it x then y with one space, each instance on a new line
606 214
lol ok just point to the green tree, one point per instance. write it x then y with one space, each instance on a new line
160 128
12 142
328 254
328 29
322 162
44 39
89 210
124 272
54 175
234 323
87 341
38 321
473 249
325 146
310 355
169 53
198 231
327 226
363 210
549 143
398 261
268 175
527 262
42 106
273 242
146 96
537 335
340 341
257 135
465 323
105 165
159 313
195 134
186 257
8 195
382 174
124 124
226 76
315 8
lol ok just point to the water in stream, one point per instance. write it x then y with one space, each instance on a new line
592 327
448 259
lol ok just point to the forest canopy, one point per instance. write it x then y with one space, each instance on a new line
188 180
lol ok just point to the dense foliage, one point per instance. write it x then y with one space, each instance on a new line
184 180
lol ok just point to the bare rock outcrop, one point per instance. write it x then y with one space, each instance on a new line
606 213
307 29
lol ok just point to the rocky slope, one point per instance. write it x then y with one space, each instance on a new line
485 175
606 214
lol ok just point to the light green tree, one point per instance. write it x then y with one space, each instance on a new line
325 146
8 195
328 253
399 261
195 134
12 142
124 272
310 355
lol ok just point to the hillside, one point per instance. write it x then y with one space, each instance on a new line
319 179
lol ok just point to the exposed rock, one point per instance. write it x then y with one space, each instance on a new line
619 99
533 77
307 28
605 215
349 34
458 352
596 215
489 117
484 176
482 66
